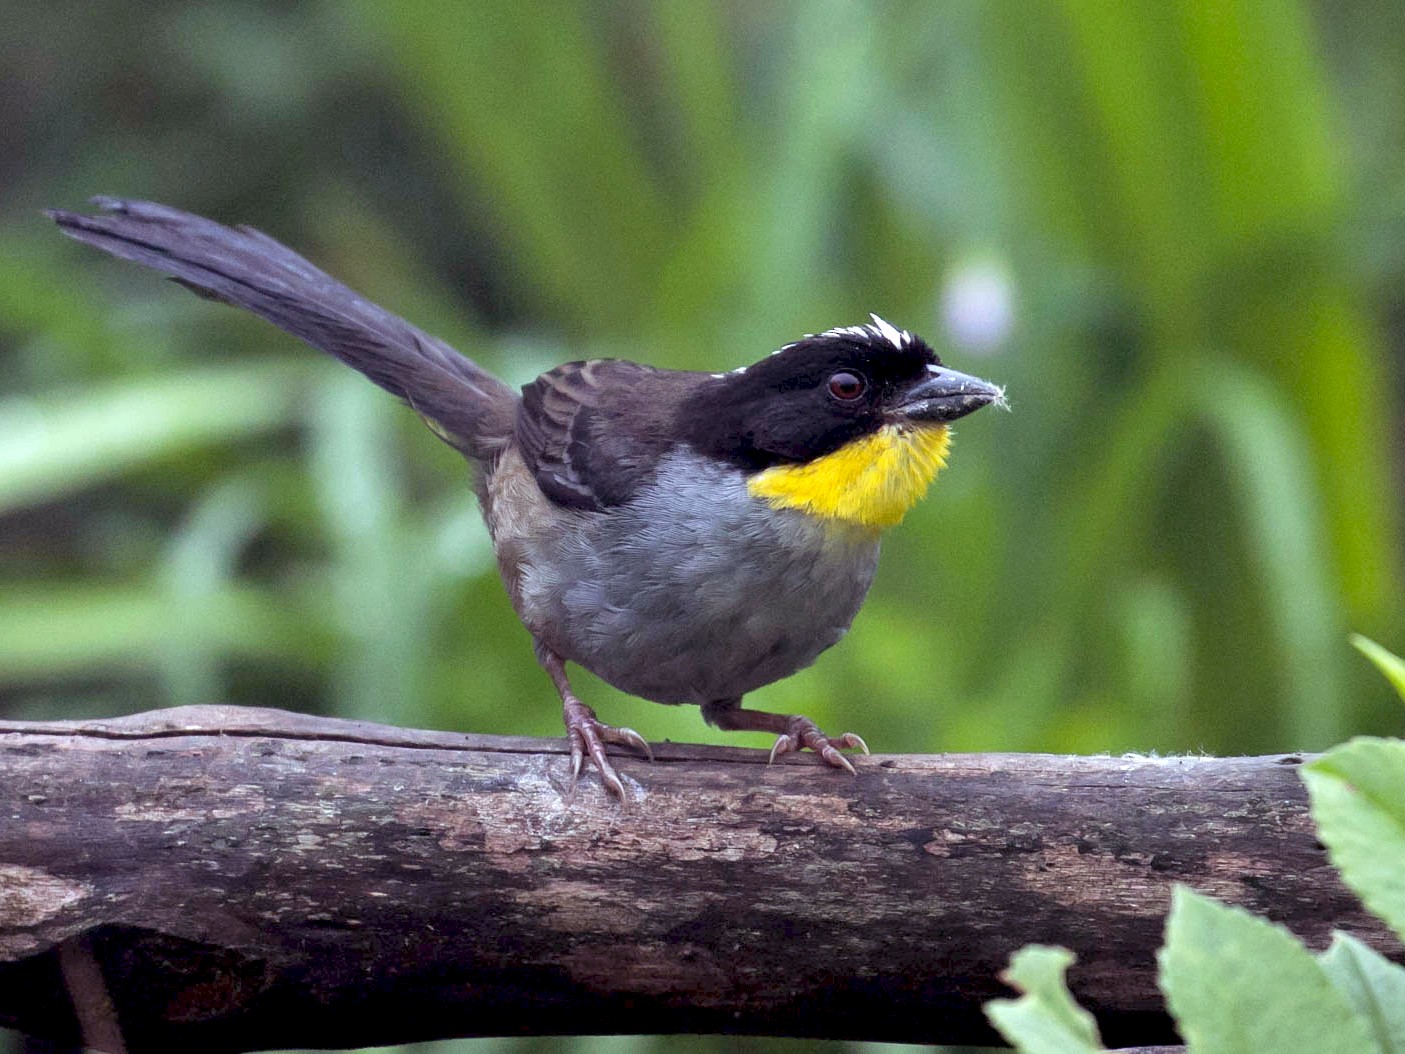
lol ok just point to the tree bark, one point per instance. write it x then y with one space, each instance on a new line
221 879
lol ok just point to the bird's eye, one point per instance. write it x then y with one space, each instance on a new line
846 386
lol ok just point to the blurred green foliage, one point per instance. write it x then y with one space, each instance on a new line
1175 230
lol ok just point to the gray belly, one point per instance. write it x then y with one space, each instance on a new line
694 591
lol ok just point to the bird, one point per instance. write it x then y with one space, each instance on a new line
686 536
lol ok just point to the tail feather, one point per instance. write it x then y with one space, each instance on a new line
465 404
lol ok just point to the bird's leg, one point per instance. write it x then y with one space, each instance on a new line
587 733
793 731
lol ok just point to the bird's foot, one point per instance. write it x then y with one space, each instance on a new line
588 735
803 734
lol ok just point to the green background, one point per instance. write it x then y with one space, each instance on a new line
1175 230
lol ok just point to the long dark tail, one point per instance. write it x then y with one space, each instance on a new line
469 407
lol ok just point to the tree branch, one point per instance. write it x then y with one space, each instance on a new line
221 879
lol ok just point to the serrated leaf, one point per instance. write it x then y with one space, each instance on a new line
1358 802
1238 984
1373 985
1046 1019
1390 664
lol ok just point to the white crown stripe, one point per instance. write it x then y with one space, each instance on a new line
879 330
889 332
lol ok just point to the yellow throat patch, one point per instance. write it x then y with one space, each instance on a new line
869 482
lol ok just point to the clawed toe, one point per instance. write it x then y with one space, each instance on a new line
838 760
586 732
803 734
588 735
850 741
785 744
626 737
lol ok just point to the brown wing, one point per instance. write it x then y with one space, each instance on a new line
591 432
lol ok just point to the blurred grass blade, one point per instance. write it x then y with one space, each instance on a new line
1390 664
58 444
1123 56
548 145
827 76
1281 519
1156 624
200 562
1272 464
381 609
1218 137
42 293
1092 526
57 631
700 83
1259 82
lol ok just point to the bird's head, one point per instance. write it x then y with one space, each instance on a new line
850 424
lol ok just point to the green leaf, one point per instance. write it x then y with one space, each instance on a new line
50 631
56 445
1358 802
1238 984
1390 664
1045 1020
1372 984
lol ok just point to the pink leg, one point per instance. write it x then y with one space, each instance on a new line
588 734
794 732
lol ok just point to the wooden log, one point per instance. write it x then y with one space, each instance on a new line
222 879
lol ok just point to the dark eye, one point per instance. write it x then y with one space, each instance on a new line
846 386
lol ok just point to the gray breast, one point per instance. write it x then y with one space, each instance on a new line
693 591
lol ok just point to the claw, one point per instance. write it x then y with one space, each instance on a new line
805 733
850 740
609 777
785 743
577 757
627 737
586 732
838 760
588 735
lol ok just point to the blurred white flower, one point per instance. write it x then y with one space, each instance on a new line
978 304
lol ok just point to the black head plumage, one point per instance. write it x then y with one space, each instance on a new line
809 398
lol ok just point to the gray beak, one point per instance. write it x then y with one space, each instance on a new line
945 395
